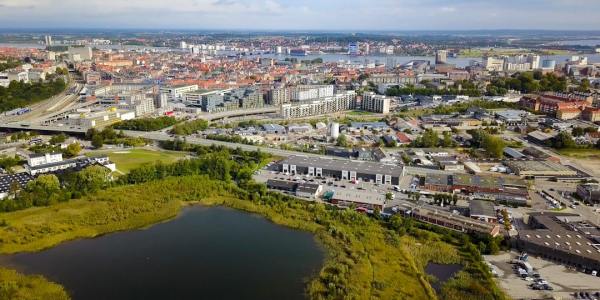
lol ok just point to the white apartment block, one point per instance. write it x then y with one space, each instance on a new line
339 102
375 103
310 92
176 92
35 160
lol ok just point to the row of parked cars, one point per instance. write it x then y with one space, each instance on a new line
587 295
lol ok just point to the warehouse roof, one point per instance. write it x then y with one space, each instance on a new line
344 165
561 236
482 208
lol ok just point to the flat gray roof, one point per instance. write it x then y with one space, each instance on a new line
344 165
482 208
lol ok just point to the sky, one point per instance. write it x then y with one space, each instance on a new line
302 15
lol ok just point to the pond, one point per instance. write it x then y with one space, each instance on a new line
204 253
443 272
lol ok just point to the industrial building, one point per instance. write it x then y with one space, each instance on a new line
539 168
482 210
589 192
342 169
563 238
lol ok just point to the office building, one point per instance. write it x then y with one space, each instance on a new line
441 57
354 48
48 40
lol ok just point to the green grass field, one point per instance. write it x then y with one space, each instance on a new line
580 153
360 113
128 159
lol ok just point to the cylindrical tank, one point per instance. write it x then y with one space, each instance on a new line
334 130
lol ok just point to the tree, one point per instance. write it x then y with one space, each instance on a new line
578 131
43 190
389 196
72 150
563 140
342 141
58 139
493 145
91 179
97 141
429 139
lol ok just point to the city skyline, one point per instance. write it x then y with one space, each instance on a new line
302 15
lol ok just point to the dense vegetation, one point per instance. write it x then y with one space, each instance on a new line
20 94
466 88
9 64
21 287
457 108
146 124
528 82
190 127
368 257
230 138
431 139
50 189
493 145
109 136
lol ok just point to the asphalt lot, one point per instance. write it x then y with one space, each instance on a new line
564 281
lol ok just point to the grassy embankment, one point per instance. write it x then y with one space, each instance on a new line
356 259
15 286
128 159
365 258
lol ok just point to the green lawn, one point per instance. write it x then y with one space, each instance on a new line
359 113
580 153
128 159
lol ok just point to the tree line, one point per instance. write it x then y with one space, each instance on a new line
20 94
190 127
146 124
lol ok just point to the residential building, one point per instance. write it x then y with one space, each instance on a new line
339 102
375 103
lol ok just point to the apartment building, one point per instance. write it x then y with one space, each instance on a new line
375 103
339 102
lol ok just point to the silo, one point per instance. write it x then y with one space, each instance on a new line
334 130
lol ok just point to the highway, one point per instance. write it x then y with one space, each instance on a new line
163 136
39 110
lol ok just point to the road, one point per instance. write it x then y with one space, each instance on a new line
42 108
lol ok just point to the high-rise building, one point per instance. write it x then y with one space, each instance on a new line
48 40
441 57
354 48
183 45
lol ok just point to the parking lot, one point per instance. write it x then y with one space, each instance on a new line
565 282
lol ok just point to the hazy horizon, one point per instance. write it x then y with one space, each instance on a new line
295 15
